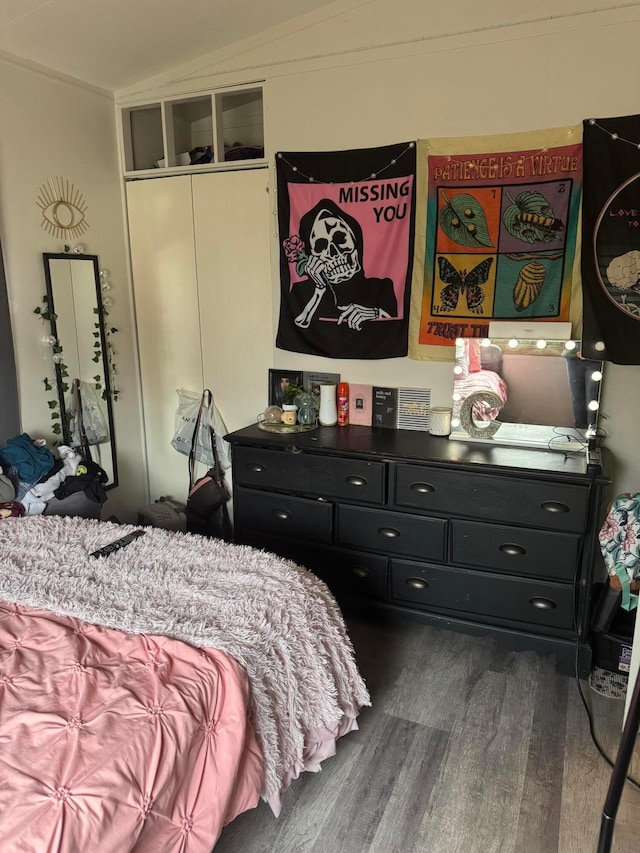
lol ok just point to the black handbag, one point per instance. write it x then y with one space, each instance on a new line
207 512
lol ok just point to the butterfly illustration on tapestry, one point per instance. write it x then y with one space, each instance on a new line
458 282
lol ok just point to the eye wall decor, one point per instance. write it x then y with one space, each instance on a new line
63 209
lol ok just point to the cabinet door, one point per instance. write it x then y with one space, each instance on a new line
232 217
166 300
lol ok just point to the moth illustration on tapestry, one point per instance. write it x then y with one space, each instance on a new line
346 260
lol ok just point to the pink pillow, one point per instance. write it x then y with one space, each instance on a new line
475 363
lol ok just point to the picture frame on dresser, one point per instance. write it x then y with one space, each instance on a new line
278 380
312 380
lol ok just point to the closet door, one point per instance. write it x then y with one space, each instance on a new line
167 317
232 226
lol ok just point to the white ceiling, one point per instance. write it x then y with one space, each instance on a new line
115 43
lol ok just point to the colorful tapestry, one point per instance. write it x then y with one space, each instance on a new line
611 239
346 227
497 228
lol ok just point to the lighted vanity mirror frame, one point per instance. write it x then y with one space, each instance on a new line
75 304
483 409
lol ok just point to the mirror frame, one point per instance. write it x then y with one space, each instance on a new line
467 429
47 257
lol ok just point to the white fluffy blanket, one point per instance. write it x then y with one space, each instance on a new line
277 619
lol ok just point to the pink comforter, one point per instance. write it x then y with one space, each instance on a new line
118 742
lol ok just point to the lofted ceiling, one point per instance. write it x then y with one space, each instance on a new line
113 44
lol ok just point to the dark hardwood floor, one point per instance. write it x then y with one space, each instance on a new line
467 748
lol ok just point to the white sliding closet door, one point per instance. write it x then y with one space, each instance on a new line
232 227
167 318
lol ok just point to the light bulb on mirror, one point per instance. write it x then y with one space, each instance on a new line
57 357
107 302
596 376
593 406
105 285
49 341
78 250
513 343
104 274
541 344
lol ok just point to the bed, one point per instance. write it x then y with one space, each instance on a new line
478 368
149 696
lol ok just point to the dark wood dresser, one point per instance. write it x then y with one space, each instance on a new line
497 541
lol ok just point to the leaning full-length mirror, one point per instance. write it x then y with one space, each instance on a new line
77 323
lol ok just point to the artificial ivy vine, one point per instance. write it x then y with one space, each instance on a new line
63 372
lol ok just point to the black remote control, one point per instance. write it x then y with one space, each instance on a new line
119 543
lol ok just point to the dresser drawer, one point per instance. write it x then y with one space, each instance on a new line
392 532
531 553
347 572
306 473
350 572
282 515
555 506
483 594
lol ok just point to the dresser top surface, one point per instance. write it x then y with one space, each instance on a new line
414 445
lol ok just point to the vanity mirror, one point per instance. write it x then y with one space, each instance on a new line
76 311
524 392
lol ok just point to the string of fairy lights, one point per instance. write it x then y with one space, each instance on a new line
613 136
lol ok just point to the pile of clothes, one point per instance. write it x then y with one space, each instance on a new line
34 480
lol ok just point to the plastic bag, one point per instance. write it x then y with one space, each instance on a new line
186 415
94 418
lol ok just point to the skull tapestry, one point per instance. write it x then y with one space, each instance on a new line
611 240
346 221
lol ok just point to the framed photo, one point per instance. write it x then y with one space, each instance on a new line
313 381
279 380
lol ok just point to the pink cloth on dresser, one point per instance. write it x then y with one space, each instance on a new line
117 742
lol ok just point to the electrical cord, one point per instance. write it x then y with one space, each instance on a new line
592 732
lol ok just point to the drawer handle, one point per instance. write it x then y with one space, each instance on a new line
389 532
355 480
417 583
281 514
554 506
512 550
542 603
360 571
423 488
255 467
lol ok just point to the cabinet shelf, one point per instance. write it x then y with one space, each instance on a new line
193 132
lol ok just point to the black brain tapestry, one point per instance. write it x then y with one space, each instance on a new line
346 230
611 239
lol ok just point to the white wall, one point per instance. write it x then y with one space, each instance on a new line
364 74
54 128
